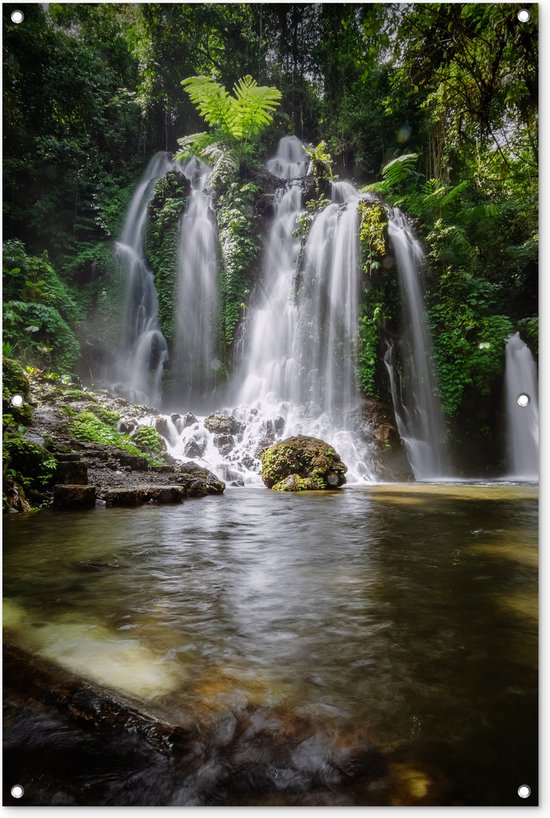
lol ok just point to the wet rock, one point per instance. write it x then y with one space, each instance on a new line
387 450
224 443
71 470
198 481
127 426
138 495
66 497
188 420
195 447
302 463
220 424
163 428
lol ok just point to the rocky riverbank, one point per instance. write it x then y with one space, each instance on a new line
71 447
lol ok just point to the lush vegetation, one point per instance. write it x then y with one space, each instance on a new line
432 107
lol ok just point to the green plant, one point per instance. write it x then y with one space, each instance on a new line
242 116
149 440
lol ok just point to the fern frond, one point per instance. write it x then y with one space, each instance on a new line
398 169
211 100
252 107
221 159
193 145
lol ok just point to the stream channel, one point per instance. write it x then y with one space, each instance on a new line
297 631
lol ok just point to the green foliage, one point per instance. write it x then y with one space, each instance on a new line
39 335
394 174
147 439
27 467
242 116
469 338
15 382
372 227
33 279
161 244
106 415
322 165
88 427
239 250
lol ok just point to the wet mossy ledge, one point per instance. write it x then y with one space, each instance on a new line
69 447
302 463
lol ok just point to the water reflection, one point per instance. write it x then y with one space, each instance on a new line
417 620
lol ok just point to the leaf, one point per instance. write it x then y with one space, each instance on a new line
211 100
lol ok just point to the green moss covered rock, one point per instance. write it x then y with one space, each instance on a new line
302 463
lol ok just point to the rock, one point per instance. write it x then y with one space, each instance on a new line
127 426
72 471
302 463
69 496
222 424
187 420
224 443
163 428
194 447
380 433
138 495
197 481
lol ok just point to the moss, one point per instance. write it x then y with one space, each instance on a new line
286 465
296 483
149 440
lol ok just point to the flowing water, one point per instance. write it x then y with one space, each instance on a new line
414 391
407 612
522 415
143 351
195 361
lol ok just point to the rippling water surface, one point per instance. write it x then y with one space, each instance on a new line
408 610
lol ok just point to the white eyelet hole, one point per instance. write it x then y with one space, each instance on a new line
524 16
523 400
17 16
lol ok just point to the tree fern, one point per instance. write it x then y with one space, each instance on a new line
242 116
211 100
251 108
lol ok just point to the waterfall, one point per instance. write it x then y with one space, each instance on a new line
143 351
414 391
195 361
522 415
297 366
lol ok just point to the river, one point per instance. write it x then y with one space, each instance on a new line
406 610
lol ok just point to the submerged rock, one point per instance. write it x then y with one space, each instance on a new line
302 463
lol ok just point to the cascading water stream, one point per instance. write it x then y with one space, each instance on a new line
522 411
143 350
195 360
295 373
414 393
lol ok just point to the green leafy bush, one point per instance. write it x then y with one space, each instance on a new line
39 335
149 440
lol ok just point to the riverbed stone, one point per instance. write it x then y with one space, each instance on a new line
198 481
69 496
224 443
138 495
195 447
302 463
221 424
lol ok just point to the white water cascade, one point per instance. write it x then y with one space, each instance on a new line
414 390
143 350
295 367
195 360
522 411
297 357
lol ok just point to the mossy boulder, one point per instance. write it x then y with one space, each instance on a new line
302 463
